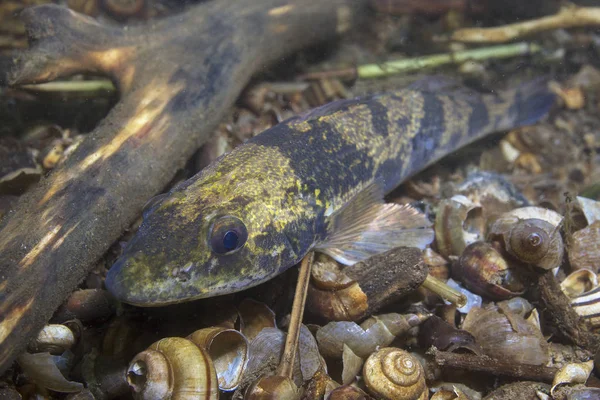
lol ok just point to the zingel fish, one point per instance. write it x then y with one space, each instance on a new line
313 182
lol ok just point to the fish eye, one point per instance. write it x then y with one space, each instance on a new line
227 234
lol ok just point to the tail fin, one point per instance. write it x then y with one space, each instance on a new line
527 104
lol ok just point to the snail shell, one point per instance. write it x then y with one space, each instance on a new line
347 304
53 338
531 235
484 271
364 339
228 350
501 332
332 294
587 305
393 373
173 368
458 223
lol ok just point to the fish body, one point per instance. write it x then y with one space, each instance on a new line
315 181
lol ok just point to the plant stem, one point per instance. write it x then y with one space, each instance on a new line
72 86
436 60
444 291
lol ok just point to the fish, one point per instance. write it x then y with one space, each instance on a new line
315 182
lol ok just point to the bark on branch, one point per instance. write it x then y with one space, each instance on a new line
177 78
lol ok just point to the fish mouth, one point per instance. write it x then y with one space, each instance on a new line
127 288
130 282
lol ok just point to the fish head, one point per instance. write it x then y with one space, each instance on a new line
216 234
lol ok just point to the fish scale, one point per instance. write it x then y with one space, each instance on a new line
315 181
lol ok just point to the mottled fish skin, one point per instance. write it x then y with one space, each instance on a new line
284 182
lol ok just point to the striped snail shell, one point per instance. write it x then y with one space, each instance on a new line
173 368
392 373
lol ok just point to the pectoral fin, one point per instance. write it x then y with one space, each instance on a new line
367 226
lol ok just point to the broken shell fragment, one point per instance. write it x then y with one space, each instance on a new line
272 388
494 193
18 167
584 252
438 265
590 209
531 235
501 333
228 350
517 305
351 365
326 274
483 270
254 317
266 350
392 373
173 368
364 339
458 223
579 282
468 298
572 373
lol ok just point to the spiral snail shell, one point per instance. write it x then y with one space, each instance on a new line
173 368
531 235
392 373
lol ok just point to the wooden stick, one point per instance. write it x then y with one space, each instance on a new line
493 366
563 318
286 367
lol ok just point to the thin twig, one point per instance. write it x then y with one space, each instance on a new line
286 366
567 17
